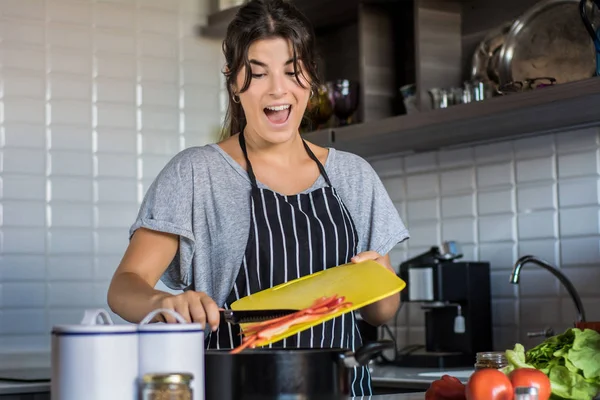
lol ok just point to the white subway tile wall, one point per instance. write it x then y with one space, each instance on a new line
501 201
97 95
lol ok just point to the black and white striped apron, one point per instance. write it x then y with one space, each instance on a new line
290 237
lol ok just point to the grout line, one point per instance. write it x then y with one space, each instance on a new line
48 222
558 239
180 78
515 229
475 210
95 140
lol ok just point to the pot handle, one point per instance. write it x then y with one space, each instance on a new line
366 353
370 350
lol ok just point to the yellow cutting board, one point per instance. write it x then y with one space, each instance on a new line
361 284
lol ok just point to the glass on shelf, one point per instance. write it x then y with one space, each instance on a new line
320 108
344 94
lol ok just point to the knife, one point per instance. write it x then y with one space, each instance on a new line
246 316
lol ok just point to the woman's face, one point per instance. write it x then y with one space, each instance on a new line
274 103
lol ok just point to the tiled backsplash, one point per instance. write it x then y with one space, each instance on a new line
501 201
96 97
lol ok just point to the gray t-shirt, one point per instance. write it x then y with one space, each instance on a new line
203 195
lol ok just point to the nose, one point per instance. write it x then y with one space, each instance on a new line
278 84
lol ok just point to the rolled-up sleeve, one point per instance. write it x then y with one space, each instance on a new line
168 207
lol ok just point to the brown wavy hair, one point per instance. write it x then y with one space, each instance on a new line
264 19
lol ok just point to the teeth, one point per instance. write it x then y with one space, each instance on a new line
279 108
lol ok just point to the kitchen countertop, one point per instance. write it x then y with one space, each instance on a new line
34 363
7 388
413 378
383 376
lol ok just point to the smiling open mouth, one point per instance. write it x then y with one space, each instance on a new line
278 114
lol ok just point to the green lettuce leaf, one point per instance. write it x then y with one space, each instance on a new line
516 359
585 353
550 349
571 386
571 360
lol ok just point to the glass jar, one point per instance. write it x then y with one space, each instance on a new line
491 359
175 386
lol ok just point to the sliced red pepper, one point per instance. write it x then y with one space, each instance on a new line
279 329
267 329
257 325
244 345
310 310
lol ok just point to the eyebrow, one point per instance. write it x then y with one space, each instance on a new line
262 64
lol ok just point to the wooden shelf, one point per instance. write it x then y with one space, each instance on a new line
567 106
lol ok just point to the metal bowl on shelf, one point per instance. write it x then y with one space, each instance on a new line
548 40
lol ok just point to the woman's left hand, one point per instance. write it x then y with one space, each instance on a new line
375 256
380 312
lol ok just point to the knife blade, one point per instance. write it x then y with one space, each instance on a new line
246 316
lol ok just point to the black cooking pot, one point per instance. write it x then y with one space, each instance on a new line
267 374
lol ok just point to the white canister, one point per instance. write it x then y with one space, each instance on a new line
94 361
172 348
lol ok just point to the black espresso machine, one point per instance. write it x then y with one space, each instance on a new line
457 300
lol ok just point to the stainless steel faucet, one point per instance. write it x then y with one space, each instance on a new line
514 279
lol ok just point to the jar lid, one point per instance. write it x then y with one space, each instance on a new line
166 378
491 354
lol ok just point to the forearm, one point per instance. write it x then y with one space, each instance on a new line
132 298
381 312
131 294
384 310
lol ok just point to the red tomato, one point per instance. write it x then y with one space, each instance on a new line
446 388
489 384
532 377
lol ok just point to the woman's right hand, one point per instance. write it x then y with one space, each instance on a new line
197 307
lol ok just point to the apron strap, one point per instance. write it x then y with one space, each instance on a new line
242 141
315 159
248 165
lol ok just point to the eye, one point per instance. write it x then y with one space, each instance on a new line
291 73
257 75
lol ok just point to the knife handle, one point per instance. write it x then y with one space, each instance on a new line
228 316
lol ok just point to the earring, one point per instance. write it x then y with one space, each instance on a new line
235 98
312 93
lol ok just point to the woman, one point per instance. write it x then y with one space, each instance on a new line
262 206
